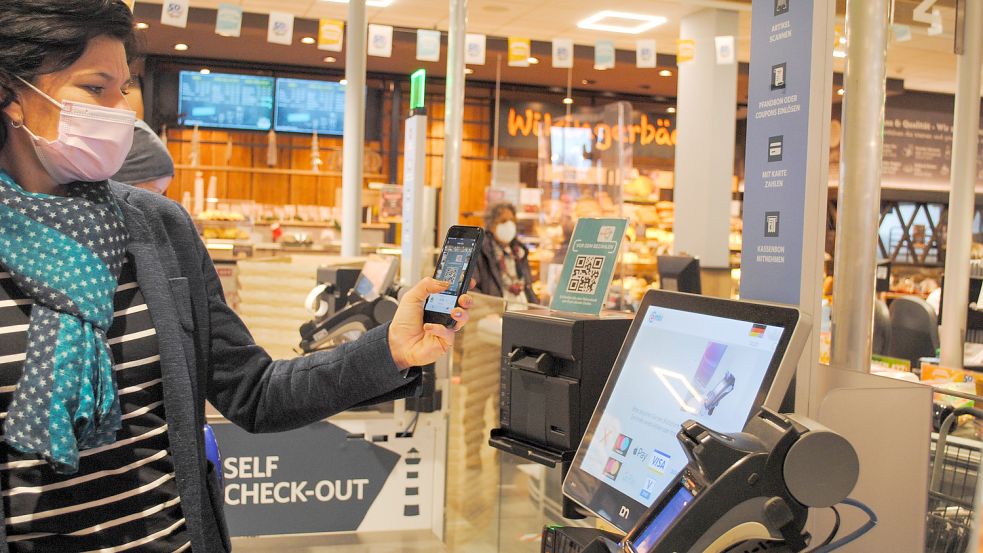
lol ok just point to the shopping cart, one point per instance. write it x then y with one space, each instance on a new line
952 488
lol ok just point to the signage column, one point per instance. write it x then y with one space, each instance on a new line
787 161
414 157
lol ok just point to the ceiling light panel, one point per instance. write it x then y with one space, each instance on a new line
621 22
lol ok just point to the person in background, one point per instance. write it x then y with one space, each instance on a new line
114 325
935 296
148 165
503 263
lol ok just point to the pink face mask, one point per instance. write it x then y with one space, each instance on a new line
92 142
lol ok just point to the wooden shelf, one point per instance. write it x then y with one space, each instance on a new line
640 200
269 171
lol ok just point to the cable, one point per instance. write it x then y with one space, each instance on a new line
836 528
856 533
411 427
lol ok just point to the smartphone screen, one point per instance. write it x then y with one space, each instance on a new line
454 267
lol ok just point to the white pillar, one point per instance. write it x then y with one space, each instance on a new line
450 207
354 138
965 141
859 203
706 115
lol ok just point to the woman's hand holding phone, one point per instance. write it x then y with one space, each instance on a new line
414 343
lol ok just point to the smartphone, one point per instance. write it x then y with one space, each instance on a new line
456 265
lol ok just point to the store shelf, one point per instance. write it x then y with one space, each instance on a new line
267 171
640 200
308 224
222 223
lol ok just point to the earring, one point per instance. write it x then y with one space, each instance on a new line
16 125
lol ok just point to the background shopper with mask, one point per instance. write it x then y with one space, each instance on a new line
148 165
113 323
503 266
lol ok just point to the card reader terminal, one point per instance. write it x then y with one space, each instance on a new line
744 488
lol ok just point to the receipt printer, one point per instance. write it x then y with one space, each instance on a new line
554 366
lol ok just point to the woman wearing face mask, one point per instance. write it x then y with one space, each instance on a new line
503 266
113 327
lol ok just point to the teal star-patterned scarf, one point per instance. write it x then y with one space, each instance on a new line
66 252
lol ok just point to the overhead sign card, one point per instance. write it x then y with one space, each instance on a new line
589 266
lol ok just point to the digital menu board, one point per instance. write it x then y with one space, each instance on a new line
226 100
304 105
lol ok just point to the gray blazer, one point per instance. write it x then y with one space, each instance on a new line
206 352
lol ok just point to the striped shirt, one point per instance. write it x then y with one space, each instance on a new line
124 496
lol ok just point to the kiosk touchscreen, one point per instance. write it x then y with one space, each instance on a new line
377 277
686 357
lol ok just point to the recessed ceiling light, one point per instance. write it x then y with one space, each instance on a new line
665 73
308 40
330 59
141 26
180 47
670 109
343 82
532 60
369 3
206 71
468 71
618 20
568 100
840 92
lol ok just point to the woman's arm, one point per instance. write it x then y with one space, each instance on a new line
263 395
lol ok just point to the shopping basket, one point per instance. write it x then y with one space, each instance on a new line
952 488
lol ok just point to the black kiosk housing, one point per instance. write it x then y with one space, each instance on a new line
554 366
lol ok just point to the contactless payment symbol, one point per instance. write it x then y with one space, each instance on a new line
622 444
775 148
778 76
781 7
612 468
771 224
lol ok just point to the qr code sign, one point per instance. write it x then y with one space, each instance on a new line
586 274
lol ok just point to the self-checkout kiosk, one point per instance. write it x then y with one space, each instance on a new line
554 366
347 303
685 451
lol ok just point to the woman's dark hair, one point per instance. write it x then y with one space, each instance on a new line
44 36
496 210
